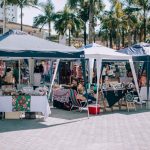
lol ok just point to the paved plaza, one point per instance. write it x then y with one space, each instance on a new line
66 130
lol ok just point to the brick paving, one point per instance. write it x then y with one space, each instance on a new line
65 130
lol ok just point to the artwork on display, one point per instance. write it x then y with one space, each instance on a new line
21 103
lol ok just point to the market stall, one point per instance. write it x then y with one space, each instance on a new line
105 54
19 45
141 54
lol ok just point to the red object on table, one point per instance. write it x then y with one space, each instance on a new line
94 109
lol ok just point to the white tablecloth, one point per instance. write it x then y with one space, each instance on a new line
143 93
37 104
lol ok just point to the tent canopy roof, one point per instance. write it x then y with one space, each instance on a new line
16 43
101 52
140 49
139 52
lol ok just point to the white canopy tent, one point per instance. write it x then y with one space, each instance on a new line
101 53
16 44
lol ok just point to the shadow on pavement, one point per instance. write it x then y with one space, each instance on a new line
68 115
125 112
57 118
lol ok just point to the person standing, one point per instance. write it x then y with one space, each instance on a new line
16 73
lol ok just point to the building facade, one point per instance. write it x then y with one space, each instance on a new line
26 28
11 13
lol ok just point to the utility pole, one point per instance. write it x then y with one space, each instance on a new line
4 16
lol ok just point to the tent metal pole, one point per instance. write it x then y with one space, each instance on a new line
31 70
84 76
19 72
134 77
55 72
99 66
51 70
148 74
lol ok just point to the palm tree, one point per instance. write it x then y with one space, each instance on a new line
127 17
46 17
109 24
145 5
84 15
130 20
94 6
22 4
67 20
82 9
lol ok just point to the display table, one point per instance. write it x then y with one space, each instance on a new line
61 98
113 96
25 103
61 95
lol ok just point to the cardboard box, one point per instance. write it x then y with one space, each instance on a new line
12 115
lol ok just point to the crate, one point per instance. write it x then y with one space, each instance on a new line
30 115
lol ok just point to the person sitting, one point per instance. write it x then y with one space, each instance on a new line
74 84
83 94
16 73
9 78
92 91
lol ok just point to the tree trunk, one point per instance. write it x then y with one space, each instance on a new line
49 30
110 39
107 39
4 17
140 35
69 37
135 36
144 23
118 39
123 37
91 22
21 17
85 33
129 38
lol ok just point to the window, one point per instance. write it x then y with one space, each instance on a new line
1 30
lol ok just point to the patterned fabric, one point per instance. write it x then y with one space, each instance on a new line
113 96
61 95
74 101
21 103
129 97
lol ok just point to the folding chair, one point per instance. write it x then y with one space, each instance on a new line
130 101
75 102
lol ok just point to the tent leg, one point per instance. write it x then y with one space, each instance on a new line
135 77
19 72
50 90
91 66
31 70
148 78
84 76
99 66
